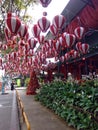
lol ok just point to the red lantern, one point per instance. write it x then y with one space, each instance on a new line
79 31
4 47
75 54
21 43
14 55
45 47
84 48
58 21
69 39
41 39
62 58
0 61
50 43
45 3
7 34
57 45
61 40
32 43
10 14
13 24
53 30
78 46
36 30
30 52
23 31
43 24
44 13
27 36
67 56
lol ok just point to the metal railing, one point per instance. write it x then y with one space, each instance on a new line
25 119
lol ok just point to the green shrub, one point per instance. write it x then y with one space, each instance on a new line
76 103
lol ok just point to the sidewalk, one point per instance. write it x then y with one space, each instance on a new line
8 111
41 118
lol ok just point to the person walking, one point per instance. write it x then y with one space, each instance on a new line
12 85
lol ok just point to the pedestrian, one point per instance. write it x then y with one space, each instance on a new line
12 85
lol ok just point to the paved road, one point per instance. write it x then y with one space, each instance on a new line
8 111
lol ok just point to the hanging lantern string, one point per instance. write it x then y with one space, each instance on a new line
10 5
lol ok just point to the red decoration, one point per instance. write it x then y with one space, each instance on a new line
84 48
10 14
67 56
62 58
13 24
58 21
0 61
57 45
61 40
41 39
23 31
75 54
36 30
43 24
50 43
44 13
79 31
53 30
69 40
27 36
7 34
21 43
14 55
32 43
78 46
33 84
45 3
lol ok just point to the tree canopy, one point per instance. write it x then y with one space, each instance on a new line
16 6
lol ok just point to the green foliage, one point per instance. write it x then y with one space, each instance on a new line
23 3
76 103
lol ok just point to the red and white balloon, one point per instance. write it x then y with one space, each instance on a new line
43 24
79 32
23 31
58 21
36 30
13 24
84 48
69 40
45 3
53 30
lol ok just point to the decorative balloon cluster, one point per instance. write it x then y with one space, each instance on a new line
22 56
